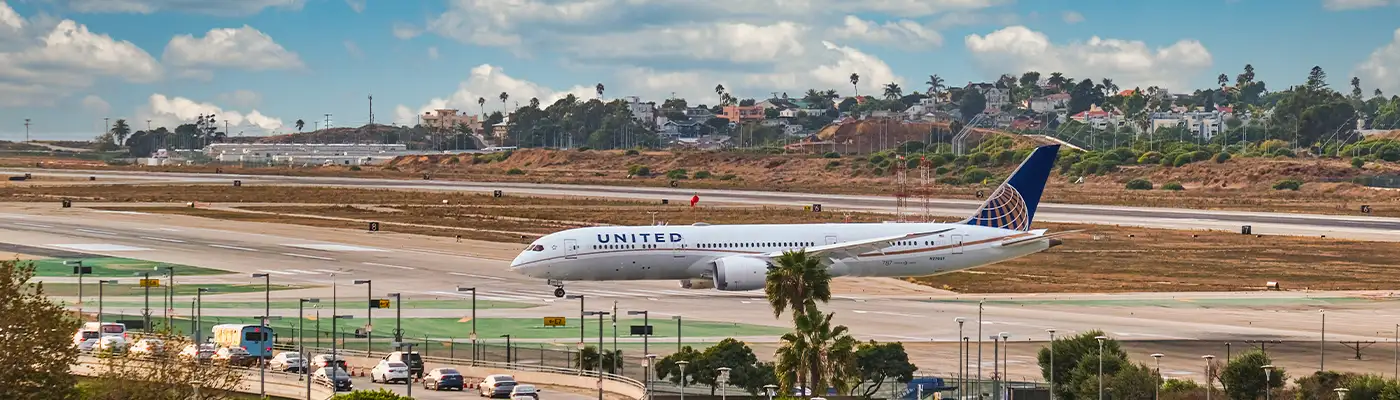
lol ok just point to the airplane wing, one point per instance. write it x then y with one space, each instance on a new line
857 247
1039 235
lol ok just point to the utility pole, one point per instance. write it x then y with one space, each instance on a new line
148 125
371 109
106 126
328 121
26 129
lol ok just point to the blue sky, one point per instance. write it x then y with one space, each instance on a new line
263 64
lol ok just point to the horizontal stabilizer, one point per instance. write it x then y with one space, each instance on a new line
856 247
1039 235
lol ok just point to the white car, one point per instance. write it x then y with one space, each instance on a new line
523 392
203 352
389 372
147 347
87 345
114 344
288 361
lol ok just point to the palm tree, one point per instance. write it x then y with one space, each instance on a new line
600 88
1057 79
120 131
893 91
935 83
534 102
300 124
855 78
796 283
816 354
719 90
1222 79
1109 86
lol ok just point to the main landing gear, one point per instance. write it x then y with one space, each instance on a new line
558 287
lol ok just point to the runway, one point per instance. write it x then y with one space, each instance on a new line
1339 226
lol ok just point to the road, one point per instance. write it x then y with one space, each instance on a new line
1352 227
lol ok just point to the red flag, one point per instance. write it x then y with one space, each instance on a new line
694 199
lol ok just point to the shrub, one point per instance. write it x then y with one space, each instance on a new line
1283 153
702 175
975 175
639 170
1390 153
677 173
831 154
877 159
631 152
878 171
515 171
354 168
980 158
1222 157
832 164
1173 186
1288 184
1200 155
940 170
949 180
960 160
726 177
1183 160
1005 157
911 163
1168 160
1357 162
1139 184
584 148
454 160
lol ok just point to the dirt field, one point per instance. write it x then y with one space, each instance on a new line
1101 259
259 194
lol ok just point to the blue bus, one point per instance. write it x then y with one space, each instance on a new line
256 339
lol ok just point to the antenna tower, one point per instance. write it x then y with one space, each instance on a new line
901 189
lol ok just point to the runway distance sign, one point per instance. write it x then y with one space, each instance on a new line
551 322
150 283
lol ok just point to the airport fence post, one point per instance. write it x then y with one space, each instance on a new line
452 350
678 333
146 310
267 315
369 315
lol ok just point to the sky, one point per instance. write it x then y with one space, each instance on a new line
260 65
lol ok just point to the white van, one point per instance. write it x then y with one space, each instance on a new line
94 331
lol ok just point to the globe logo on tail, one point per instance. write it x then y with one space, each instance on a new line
1004 209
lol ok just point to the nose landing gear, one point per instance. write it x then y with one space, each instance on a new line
558 287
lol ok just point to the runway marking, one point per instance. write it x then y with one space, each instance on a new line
308 256
1169 337
119 212
478 276
95 231
170 229
33 225
333 247
486 296
233 247
100 247
276 272
388 265
302 272
163 239
329 271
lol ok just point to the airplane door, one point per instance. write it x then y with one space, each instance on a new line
570 249
957 244
830 239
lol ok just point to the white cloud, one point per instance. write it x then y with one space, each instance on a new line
236 48
735 42
68 57
241 98
9 19
1341 5
405 31
95 105
357 5
214 7
173 111
904 33
1130 63
432 53
1382 68
488 81
1072 17
353 49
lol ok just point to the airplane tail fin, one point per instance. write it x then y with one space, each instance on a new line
1012 205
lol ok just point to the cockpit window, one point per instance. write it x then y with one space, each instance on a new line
538 247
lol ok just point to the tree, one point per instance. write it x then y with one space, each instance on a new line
1222 79
300 124
1083 96
1317 79
796 283
973 102
1356 88
876 362
935 83
1378 92
719 89
120 131
817 353
36 345
893 91
1056 79
1243 377
588 360
163 375
1132 381
378 394
1070 353
1110 88
534 102
855 78
1030 79
669 369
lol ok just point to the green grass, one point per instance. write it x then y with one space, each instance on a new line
1174 303
407 304
117 267
90 289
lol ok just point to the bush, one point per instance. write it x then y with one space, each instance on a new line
1288 184
949 180
975 175
1150 157
454 160
1173 186
726 177
1200 155
677 173
831 154
354 168
631 152
1005 157
1168 160
1283 153
832 164
638 170
940 170
980 158
878 171
1222 157
702 175
1357 162
1183 159
1139 184
911 163
515 171
877 159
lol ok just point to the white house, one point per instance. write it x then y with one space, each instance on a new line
996 97
1098 118
1049 103
644 112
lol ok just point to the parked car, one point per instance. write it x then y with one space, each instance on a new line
114 344
412 359
146 347
444 378
334 378
85 335
524 392
235 356
497 386
202 352
87 345
389 372
289 361
324 360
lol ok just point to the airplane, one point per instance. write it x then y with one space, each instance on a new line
738 257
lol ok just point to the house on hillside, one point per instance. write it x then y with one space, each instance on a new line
681 129
737 114
1048 103
1099 118
923 107
996 96
449 118
642 112
699 114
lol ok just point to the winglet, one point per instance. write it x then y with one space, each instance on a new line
1013 204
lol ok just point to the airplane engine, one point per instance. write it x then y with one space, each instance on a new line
697 284
740 273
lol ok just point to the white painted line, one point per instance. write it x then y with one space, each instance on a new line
170 229
329 271
333 247
163 239
302 272
95 231
119 212
308 256
276 272
477 276
232 247
457 273
99 247
33 225
388 265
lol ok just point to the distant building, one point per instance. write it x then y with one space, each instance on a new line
996 97
1099 118
1049 103
699 114
642 112
738 114
450 118
502 129
681 129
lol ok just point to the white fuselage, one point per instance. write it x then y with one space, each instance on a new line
686 251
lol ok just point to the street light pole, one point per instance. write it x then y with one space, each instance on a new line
1052 363
1101 339
1268 379
369 315
267 314
678 332
1322 344
682 364
962 378
646 351
301 342
169 299
979 346
78 269
100 284
600 315
199 316
473 334
398 314
996 367
146 311
1157 392
581 319
1209 374
508 346
1005 354
723 382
